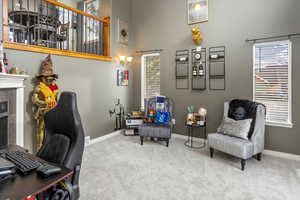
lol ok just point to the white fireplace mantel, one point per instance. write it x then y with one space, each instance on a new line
10 81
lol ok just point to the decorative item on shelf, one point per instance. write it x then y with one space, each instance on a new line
16 71
123 77
5 63
202 112
2 66
119 112
182 69
44 96
197 36
217 68
197 11
199 69
190 115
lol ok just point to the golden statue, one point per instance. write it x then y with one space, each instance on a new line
197 36
44 97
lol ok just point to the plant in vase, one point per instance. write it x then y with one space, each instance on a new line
190 115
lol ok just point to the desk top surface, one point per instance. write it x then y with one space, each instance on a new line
22 186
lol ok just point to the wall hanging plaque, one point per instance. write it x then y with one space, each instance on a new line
123 77
123 34
197 11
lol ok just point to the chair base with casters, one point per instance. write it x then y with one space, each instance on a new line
241 148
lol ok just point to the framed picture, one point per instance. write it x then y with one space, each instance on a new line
197 11
92 7
123 34
123 77
91 27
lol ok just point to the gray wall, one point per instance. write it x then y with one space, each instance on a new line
163 24
93 81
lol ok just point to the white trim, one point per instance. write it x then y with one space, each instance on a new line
12 81
280 124
282 155
104 137
289 123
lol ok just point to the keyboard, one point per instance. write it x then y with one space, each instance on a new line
23 161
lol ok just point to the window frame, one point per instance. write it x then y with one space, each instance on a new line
142 74
289 123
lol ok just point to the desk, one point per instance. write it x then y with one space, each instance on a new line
20 187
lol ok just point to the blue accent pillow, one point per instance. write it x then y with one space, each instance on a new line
162 118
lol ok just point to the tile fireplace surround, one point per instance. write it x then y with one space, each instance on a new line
16 82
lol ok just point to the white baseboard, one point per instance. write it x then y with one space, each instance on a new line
102 138
282 155
184 137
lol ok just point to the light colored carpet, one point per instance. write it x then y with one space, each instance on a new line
119 168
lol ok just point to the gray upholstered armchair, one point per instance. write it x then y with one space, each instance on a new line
242 148
159 131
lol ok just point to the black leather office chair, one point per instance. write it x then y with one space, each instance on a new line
64 140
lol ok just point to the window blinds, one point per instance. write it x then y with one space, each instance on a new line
271 80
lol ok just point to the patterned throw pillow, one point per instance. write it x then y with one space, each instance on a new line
235 128
162 118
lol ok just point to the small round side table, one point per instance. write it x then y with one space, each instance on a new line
190 142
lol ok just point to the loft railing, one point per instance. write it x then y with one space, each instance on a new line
51 27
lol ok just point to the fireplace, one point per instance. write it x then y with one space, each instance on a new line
12 109
3 123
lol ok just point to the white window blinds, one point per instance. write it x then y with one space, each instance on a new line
150 84
272 84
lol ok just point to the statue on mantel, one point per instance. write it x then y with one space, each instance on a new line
44 97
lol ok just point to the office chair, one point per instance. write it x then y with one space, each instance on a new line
64 141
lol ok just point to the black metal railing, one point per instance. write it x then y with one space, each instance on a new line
47 23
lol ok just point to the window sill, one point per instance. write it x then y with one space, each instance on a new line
24 47
280 124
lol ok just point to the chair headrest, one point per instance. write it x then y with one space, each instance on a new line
64 118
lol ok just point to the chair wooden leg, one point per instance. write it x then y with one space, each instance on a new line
142 140
243 162
258 156
211 152
167 142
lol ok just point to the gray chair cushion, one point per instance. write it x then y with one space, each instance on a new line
155 130
234 146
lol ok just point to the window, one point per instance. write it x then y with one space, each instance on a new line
272 81
150 80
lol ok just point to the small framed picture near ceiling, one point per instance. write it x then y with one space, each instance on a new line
123 77
123 34
197 11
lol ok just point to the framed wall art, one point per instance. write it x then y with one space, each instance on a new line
197 11
123 34
123 77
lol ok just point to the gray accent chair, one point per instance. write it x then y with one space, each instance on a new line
159 131
243 149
